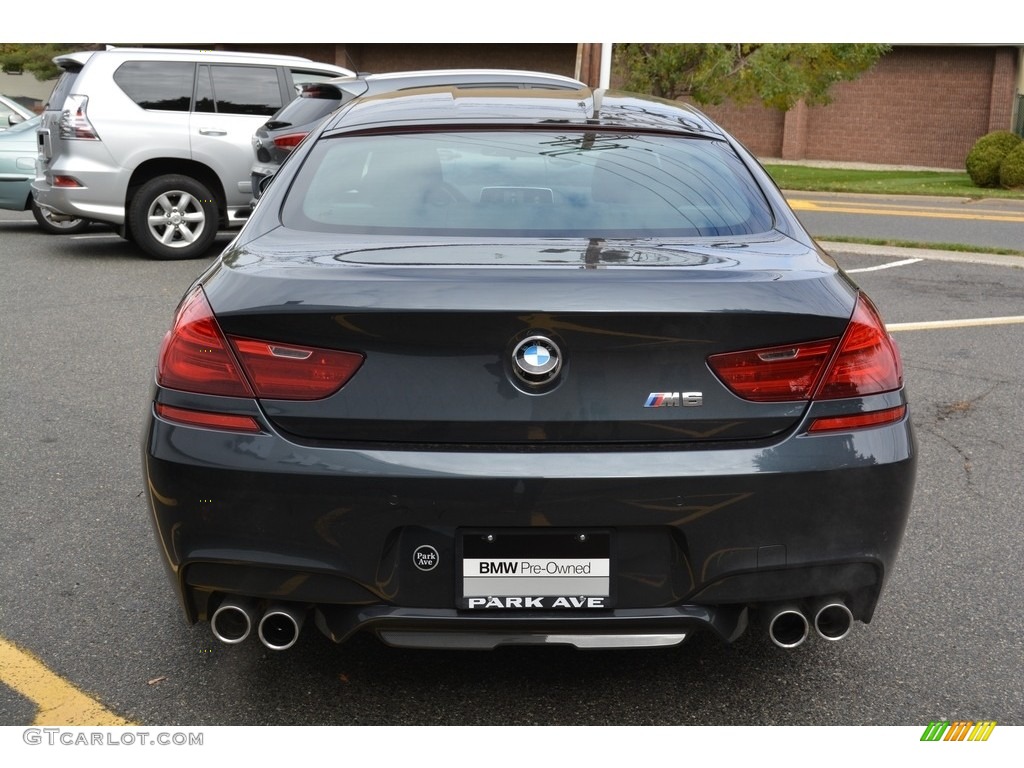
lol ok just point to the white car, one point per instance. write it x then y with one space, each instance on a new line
158 142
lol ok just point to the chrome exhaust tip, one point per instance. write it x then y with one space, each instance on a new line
280 626
788 627
833 620
233 620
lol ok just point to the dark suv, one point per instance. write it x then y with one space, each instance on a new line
276 138
157 142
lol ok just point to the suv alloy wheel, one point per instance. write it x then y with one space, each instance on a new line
173 217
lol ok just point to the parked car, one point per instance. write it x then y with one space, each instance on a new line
276 138
493 367
158 142
17 169
12 113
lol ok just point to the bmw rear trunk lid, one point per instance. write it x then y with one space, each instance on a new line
540 343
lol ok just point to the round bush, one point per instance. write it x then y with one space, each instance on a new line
1011 171
987 155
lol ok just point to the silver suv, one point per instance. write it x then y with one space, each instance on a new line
159 142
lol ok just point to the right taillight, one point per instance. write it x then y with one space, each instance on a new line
867 362
774 374
864 361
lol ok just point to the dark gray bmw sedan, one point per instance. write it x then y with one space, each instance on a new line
493 367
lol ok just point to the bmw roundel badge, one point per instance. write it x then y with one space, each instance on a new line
537 360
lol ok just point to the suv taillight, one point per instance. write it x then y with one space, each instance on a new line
290 140
196 356
74 123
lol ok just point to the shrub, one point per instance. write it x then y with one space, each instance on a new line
1011 171
987 155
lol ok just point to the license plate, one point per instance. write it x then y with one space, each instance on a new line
549 570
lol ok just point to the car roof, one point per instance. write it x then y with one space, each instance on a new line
471 76
345 88
461 105
422 77
79 58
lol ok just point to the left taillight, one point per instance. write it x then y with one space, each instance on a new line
74 120
196 356
288 372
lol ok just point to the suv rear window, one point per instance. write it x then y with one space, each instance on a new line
62 88
159 85
527 183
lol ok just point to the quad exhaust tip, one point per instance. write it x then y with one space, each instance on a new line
833 621
233 620
280 626
788 627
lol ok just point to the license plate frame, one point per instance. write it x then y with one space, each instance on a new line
516 569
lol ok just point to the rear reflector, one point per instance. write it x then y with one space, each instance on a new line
858 420
192 418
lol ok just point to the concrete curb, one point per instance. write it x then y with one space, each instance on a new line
860 249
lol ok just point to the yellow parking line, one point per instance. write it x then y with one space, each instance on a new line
875 210
58 702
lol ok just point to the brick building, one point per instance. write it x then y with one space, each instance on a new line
920 105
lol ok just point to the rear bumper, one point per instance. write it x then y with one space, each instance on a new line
698 535
100 198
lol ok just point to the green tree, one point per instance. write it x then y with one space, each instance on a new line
37 58
776 74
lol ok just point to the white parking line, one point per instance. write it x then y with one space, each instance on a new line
967 323
890 265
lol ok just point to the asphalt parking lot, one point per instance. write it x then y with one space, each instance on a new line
85 595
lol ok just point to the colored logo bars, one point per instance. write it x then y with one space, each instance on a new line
960 730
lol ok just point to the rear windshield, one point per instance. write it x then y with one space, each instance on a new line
62 88
531 183
305 109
